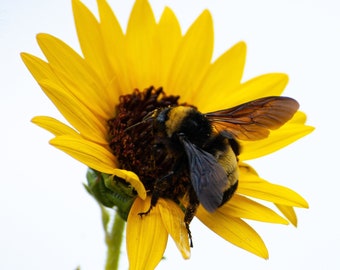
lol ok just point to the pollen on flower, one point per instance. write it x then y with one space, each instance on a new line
138 148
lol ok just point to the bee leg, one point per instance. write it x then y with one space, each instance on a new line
190 212
159 188
141 214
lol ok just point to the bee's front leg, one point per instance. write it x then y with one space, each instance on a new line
159 188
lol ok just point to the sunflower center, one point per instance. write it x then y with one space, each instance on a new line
136 148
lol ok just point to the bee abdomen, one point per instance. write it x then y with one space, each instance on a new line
229 193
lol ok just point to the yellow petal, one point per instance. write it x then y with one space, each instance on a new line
90 40
76 81
168 36
77 77
271 84
234 230
91 154
96 102
276 140
173 219
221 78
248 170
192 58
113 40
242 207
54 126
298 118
289 213
133 179
252 185
75 112
146 237
39 68
140 46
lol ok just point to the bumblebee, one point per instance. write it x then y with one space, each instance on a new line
202 149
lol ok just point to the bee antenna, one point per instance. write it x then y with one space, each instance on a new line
149 116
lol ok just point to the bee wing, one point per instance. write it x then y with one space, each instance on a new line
254 119
208 177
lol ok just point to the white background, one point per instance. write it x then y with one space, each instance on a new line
47 220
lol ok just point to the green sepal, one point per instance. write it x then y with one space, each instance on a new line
111 191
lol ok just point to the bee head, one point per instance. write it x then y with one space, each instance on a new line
184 121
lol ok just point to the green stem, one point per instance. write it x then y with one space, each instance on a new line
114 241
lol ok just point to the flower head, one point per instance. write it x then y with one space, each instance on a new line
109 93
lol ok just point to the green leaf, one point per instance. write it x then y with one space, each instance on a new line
111 191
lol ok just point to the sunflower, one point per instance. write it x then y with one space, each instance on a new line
118 79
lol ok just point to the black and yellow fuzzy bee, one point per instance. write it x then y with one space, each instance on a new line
206 147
